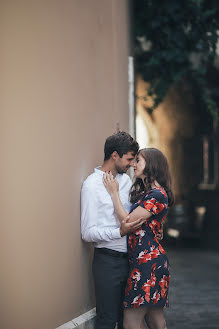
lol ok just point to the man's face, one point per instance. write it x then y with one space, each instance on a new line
125 162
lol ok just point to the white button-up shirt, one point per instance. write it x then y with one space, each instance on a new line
99 223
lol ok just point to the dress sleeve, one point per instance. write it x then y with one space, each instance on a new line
155 201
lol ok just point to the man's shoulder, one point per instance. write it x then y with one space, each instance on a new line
90 181
126 179
125 182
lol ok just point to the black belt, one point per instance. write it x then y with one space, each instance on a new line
111 252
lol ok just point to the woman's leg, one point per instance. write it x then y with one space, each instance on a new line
134 318
155 318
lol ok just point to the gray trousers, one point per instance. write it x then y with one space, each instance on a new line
110 272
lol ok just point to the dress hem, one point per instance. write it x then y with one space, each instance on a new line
145 305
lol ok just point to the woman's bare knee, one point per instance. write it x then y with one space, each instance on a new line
134 325
134 318
155 319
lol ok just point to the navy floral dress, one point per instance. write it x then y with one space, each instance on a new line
149 277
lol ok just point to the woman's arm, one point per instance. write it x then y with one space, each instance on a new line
121 213
112 187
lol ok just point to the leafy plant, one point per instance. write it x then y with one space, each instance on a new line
174 41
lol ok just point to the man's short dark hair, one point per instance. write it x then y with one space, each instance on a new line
120 142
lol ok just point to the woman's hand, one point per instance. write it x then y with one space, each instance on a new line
110 183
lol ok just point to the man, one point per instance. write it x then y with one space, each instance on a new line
100 226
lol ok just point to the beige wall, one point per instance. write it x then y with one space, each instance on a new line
63 88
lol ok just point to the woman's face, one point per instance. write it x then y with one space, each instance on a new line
139 166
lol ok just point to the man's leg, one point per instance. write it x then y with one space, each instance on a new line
122 294
110 275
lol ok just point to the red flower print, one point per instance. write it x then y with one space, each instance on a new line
158 207
161 249
156 297
147 288
145 256
153 277
153 267
153 206
136 276
162 220
164 284
163 192
140 233
154 252
149 204
148 280
150 283
137 301
132 241
155 226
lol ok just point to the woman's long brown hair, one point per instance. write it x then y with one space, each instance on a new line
156 168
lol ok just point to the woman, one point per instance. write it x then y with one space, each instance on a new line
147 288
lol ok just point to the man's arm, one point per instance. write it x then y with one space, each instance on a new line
127 227
89 229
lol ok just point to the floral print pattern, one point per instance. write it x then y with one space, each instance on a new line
149 275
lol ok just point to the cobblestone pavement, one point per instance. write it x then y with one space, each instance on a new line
194 289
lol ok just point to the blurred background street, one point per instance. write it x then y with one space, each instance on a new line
193 296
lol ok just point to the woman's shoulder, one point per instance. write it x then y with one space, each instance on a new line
157 193
155 201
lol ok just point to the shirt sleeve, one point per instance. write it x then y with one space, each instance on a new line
154 202
89 230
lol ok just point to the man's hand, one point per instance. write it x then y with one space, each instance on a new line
160 233
127 228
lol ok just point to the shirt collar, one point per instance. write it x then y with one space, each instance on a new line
100 172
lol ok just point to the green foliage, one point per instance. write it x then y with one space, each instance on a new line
176 40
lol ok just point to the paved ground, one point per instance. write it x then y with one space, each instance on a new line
194 290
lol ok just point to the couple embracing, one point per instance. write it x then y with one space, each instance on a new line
124 221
